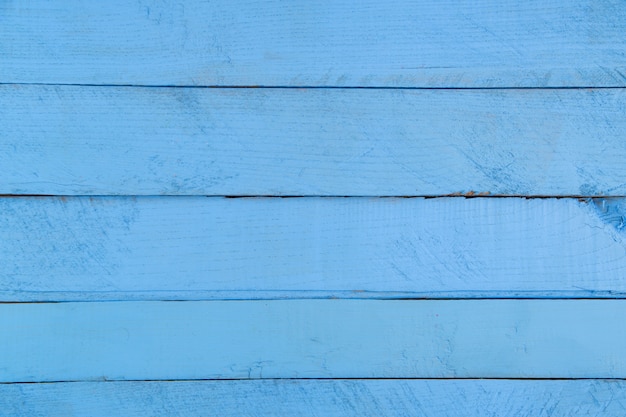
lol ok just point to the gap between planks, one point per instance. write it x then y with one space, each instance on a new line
468 195
117 381
310 87
129 297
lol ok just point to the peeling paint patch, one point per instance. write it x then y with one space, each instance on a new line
612 210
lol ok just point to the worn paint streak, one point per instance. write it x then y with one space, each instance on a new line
612 211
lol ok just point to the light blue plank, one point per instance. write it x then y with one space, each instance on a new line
78 140
327 43
156 340
125 248
323 398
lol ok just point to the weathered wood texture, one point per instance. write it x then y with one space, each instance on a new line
157 340
323 43
138 141
123 248
323 398
100 99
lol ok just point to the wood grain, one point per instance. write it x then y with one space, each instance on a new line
396 43
160 248
156 340
156 141
323 398
116 106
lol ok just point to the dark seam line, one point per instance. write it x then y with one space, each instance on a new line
330 298
319 379
327 87
253 196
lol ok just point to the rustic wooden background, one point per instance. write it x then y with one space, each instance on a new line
312 208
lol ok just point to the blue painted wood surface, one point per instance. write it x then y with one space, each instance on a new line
159 248
157 340
396 43
88 108
137 141
323 398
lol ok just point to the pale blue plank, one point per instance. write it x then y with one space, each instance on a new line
351 43
156 340
78 140
323 398
125 248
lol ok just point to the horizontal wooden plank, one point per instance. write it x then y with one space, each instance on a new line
125 248
324 398
158 340
138 141
298 43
